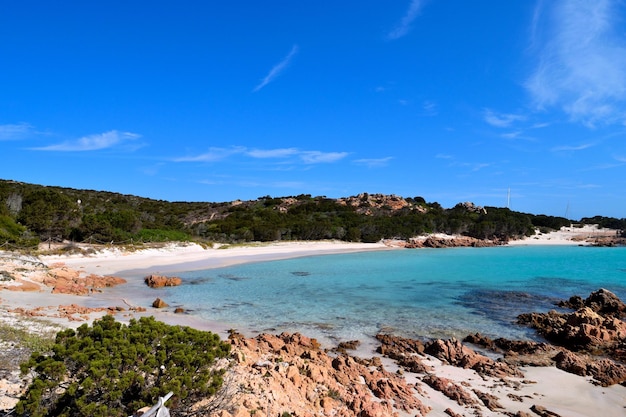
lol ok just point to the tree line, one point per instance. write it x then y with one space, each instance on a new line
31 213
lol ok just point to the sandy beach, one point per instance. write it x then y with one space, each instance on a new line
167 259
582 236
172 258
178 257
562 393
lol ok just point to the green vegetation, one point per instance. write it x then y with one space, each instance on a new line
608 222
14 233
33 213
112 369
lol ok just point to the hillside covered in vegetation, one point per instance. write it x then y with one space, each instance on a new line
30 214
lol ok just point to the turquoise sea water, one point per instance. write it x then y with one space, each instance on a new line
416 293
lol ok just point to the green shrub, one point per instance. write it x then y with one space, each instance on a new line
14 233
112 369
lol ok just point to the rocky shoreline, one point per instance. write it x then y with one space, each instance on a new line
580 368
406 375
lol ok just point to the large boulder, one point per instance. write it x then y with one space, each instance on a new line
158 303
453 352
159 281
603 302
606 371
581 330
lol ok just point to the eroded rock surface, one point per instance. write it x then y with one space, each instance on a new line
311 382
582 330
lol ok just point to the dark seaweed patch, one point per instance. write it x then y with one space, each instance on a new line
505 306
199 281
232 277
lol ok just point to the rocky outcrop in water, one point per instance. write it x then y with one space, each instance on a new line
590 341
158 303
159 281
603 302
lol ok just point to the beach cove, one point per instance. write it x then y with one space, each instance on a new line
195 260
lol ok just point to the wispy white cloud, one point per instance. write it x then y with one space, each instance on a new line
429 108
374 162
213 155
277 69
501 119
581 60
272 153
308 157
475 166
94 142
570 148
317 157
14 131
404 27
296 155
512 135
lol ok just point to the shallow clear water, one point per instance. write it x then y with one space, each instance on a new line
414 293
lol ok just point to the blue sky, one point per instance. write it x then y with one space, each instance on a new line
215 101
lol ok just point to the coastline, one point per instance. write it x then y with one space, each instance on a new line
178 257
134 265
543 385
172 258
